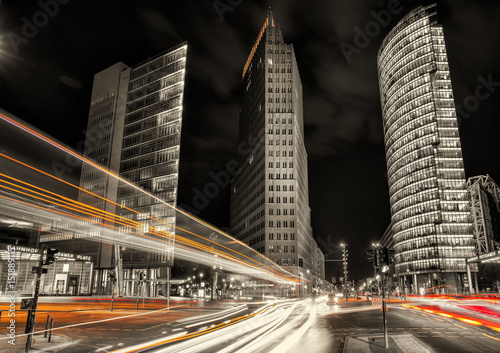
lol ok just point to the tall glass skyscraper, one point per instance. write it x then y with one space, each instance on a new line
134 130
431 221
270 196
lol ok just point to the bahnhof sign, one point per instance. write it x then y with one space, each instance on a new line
70 274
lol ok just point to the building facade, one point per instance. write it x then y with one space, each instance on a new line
133 131
431 221
269 196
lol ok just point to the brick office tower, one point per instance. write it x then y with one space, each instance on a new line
269 196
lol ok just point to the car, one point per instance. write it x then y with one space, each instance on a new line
332 300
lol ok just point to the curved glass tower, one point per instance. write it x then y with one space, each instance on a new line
431 221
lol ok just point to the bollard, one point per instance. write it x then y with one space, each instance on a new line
51 327
46 326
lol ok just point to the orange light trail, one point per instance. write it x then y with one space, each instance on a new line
194 334
83 159
92 211
470 320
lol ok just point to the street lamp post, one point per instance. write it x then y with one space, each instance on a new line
192 290
345 255
201 276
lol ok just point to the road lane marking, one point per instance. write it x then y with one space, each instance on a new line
493 338
103 348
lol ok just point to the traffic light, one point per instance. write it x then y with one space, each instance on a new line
372 257
301 262
390 255
50 256
383 257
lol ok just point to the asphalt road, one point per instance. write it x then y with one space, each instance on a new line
88 326
295 326
436 333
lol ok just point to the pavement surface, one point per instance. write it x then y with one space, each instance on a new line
376 344
88 319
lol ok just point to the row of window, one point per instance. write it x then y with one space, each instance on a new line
273 153
408 50
409 145
403 35
158 170
286 262
410 123
416 64
284 89
277 199
156 75
427 163
433 241
256 240
448 230
102 106
280 165
282 224
281 187
248 191
271 176
417 209
277 70
164 147
277 142
253 207
279 212
413 199
398 103
271 120
278 236
159 62
281 249
392 55
283 131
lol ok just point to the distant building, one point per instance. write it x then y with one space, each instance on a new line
134 130
387 240
431 221
270 196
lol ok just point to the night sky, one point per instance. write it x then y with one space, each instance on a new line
46 80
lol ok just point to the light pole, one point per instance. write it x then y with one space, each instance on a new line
345 255
375 248
201 276
192 289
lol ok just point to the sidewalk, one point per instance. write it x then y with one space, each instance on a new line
374 344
